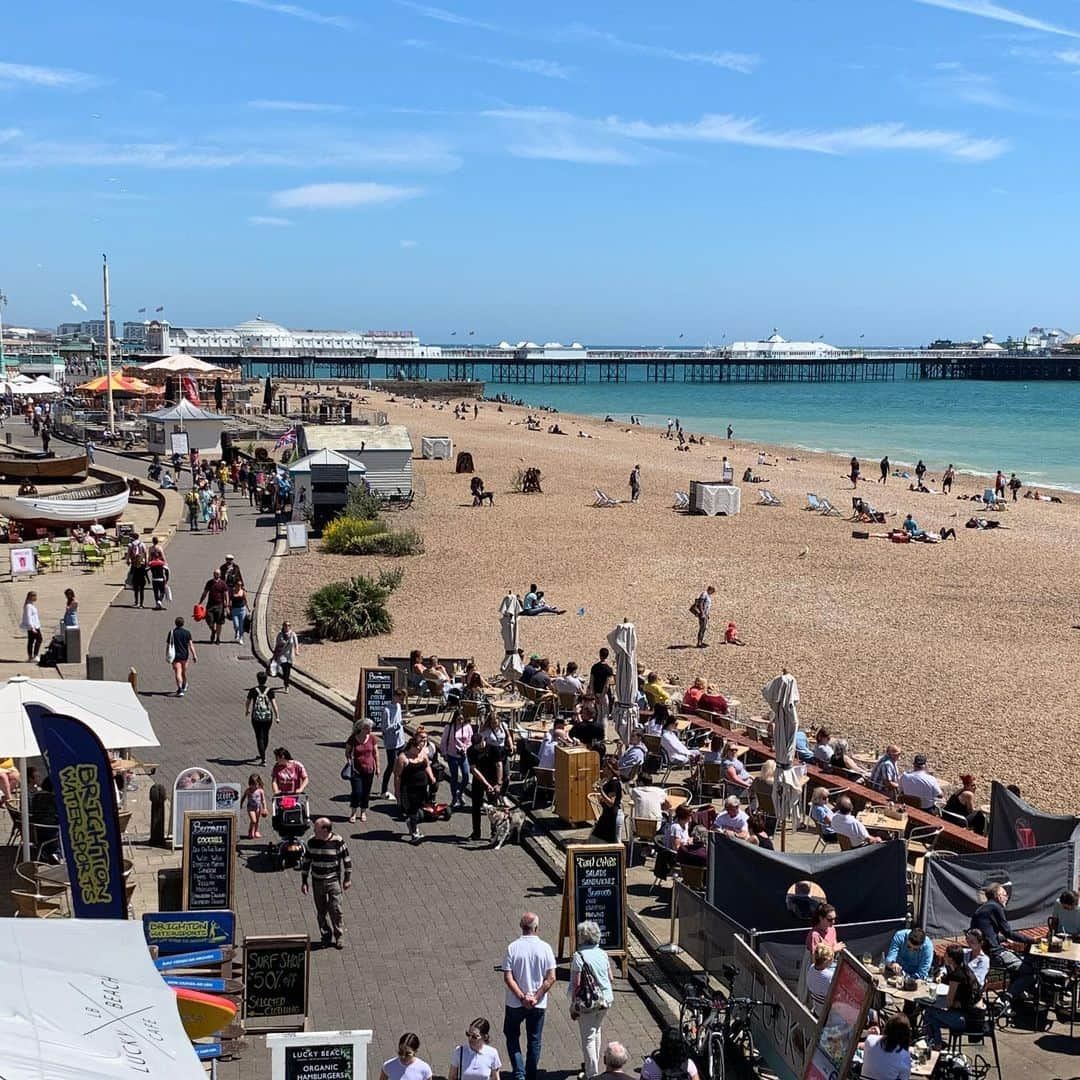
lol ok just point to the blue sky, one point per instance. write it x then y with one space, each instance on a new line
610 172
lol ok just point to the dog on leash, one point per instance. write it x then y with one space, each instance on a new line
505 820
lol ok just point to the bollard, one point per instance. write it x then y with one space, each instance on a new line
95 667
72 644
159 813
133 678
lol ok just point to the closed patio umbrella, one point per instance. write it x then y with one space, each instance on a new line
268 394
110 709
782 697
219 394
509 610
623 642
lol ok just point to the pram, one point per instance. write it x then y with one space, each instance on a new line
290 821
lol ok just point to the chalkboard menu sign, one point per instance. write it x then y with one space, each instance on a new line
276 981
209 868
595 888
376 692
327 1061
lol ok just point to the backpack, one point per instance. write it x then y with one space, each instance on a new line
587 998
695 607
261 710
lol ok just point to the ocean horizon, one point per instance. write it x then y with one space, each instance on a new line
1032 429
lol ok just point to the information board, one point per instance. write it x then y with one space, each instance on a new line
276 981
227 795
842 1020
319 1055
23 561
296 535
376 693
188 931
209 867
178 442
194 789
594 887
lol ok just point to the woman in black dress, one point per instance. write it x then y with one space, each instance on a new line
608 827
412 779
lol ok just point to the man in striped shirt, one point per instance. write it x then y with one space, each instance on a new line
327 863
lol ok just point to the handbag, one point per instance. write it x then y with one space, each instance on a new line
247 624
273 669
346 771
170 648
198 612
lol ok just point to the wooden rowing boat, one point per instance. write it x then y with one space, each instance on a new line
41 466
102 503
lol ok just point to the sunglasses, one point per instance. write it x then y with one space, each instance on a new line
473 1035
406 1054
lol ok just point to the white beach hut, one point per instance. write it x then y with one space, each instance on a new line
203 428
385 451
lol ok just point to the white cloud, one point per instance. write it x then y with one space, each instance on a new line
444 16
338 196
744 63
294 106
548 69
342 22
276 222
562 146
985 9
51 78
1069 56
957 84
409 243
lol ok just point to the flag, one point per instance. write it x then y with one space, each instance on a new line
190 389
141 311
162 308
86 810
287 439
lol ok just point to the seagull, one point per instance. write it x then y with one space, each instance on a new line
76 302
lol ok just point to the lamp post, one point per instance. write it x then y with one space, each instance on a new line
3 359
108 345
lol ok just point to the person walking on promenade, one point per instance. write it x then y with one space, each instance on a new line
180 649
45 437
702 608
635 483
393 737
412 779
362 759
456 740
884 478
252 486
286 647
263 711
406 1066
191 507
590 993
529 973
159 577
326 861
485 762
137 559
475 1059
71 609
30 624
216 594
254 800
238 611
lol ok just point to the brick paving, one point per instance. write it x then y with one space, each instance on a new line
426 925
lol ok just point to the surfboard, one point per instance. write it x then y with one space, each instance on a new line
203 1014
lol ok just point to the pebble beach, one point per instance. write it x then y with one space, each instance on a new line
962 650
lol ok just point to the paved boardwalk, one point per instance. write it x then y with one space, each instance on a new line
426 925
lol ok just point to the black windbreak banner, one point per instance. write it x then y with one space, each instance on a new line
750 885
1015 823
953 887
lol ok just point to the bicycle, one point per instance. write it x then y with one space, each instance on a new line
716 1025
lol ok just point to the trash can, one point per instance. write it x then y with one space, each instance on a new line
72 645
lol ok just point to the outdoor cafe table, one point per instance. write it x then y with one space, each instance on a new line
878 821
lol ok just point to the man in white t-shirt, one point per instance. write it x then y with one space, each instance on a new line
648 802
921 785
529 973
845 823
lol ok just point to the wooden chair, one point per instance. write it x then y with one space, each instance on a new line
844 842
824 841
710 779
693 877
568 702
595 804
642 831
32 906
543 780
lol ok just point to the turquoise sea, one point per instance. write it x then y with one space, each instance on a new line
1032 429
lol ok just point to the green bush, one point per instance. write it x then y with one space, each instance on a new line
346 610
342 533
361 504
392 542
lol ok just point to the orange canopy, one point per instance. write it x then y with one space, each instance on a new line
121 384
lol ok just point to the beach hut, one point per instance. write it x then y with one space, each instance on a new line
203 428
322 481
385 451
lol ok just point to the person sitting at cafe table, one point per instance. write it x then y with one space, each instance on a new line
633 757
733 770
823 748
887 1056
921 785
974 956
819 976
677 831
910 953
885 775
568 682
654 691
557 736
650 801
692 694
821 813
678 753
1067 913
845 823
961 1004
715 754
962 804
733 820
823 929
695 853
990 918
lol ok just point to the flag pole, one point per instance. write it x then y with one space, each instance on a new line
108 345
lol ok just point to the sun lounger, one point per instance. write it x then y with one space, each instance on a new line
604 501
768 498
813 502
682 500
828 509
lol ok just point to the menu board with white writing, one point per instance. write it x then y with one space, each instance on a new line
327 1061
209 869
596 881
276 980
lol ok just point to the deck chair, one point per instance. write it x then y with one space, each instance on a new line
813 502
682 500
828 509
604 501
767 498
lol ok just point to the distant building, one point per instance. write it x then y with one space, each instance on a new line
135 333
260 338
91 328
779 348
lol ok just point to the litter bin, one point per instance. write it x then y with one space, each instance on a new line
72 645
95 667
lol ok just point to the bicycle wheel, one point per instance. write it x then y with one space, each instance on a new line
694 1024
714 1061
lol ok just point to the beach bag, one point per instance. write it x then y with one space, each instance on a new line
274 669
198 612
346 771
261 710
587 999
247 624
170 648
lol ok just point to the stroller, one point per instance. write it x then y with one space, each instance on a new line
433 810
290 821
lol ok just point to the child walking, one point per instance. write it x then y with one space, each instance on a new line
255 804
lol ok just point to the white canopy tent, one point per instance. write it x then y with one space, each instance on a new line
110 709
82 1000
177 362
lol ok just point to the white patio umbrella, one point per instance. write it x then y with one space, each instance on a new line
509 610
782 696
623 642
110 709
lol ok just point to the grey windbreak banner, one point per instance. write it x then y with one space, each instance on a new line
749 884
1015 823
953 887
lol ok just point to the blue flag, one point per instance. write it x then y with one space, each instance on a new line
86 808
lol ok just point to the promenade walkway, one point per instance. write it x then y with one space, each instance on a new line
426 925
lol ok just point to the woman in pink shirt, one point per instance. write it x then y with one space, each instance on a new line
362 755
288 777
456 740
823 930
